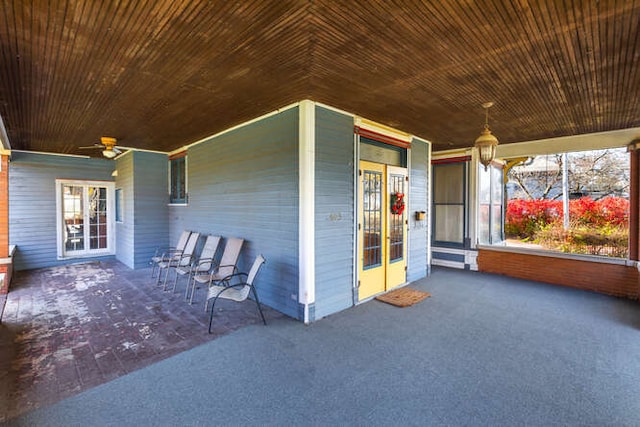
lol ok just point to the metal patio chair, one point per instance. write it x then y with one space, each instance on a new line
226 289
204 264
166 253
184 259
226 267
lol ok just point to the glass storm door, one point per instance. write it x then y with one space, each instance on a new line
396 262
86 217
382 230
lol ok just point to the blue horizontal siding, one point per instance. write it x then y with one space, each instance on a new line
419 182
151 213
448 256
245 184
125 229
334 210
32 203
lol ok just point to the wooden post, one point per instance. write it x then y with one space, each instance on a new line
4 206
634 203
5 262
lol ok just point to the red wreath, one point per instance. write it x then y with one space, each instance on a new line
397 203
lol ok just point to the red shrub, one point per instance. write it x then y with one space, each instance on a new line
524 218
615 210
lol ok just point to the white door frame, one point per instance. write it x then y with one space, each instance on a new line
60 240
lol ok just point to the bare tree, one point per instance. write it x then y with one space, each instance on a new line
538 178
598 173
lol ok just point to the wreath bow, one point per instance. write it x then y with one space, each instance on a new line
397 203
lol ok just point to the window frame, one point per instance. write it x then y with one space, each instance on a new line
463 162
179 163
568 151
119 206
495 177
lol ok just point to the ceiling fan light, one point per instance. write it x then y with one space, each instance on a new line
109 154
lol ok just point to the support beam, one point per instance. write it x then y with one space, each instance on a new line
5 253
306 230
4 206
634 203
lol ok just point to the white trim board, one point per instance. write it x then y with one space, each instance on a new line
585 142
306 200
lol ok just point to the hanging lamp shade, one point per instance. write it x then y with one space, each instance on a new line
109 153
486 143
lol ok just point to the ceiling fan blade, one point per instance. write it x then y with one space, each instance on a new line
117 150
90 147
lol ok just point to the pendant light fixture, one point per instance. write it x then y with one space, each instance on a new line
486 143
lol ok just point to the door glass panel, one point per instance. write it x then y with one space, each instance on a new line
97 217
372 221
72 208
396 220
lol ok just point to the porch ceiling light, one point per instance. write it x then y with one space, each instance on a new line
486 143
109 153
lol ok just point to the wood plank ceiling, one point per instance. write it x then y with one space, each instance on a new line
164 73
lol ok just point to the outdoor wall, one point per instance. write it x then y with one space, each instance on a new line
125 229
612 279
334 204
32 203
150 210
142 177
244 183
419 182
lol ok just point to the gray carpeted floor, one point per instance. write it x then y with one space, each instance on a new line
483 350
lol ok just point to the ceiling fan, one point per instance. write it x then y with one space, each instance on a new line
107 145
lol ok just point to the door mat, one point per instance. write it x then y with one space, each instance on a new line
403 297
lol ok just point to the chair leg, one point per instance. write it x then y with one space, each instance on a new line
255 295
166 278
186 290
193 291
159 275
213 306
173 291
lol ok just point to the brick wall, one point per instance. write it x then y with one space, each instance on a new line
7 270
610 279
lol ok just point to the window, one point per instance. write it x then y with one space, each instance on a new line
490 230
448 203
178 179
118 204
570 202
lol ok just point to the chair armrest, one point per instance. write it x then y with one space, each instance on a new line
205 261
234 275
171 254
229 277
163 249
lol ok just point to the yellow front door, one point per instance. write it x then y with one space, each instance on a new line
382 228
